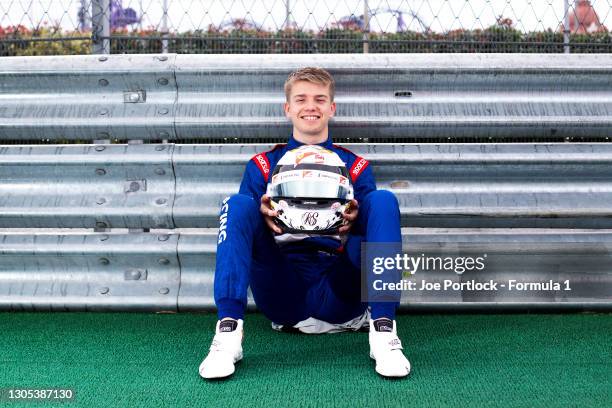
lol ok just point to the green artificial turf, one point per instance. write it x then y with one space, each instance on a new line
149 360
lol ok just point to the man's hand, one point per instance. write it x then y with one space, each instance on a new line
269 213
350 215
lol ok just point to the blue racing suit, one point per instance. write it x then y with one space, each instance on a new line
316 276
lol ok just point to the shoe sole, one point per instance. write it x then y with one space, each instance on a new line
393 375
220 377
387 375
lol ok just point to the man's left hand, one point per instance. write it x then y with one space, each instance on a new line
350 215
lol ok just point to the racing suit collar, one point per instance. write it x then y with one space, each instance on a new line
293 144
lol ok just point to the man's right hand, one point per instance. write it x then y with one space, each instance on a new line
269 213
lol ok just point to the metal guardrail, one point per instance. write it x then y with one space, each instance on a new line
174 272
382 96
181 186
166 187
88 271
86 186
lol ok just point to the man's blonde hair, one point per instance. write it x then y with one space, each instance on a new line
314 75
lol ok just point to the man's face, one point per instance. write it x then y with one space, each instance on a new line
309 107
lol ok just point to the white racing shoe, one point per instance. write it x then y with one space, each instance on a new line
386 349
225 350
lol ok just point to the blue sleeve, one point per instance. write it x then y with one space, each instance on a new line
253 183
363 186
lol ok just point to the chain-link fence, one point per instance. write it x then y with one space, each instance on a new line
47 27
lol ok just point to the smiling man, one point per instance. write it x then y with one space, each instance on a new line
303 282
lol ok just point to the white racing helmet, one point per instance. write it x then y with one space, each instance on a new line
310 188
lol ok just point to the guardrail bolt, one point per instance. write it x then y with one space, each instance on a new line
100 172
162 58
103 82
100 148
161 201
104 261
134 186
103 112
104 290
164 291
104 237
134 97
163 111
162 81
100 224
160 172
163 261
160 148
163 237
102 58
133 274
402 93
101 201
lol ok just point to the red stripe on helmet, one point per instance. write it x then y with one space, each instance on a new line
358 167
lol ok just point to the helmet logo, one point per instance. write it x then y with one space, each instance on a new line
318 157
310 218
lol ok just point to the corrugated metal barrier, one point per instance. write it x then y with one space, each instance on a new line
159 97
181 186
164 192
161 271
133 226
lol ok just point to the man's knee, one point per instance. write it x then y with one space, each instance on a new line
243 211
239 205
381 200
380 215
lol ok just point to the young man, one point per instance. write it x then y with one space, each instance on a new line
310 283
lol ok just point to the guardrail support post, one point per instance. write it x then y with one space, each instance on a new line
566 28
100 26
164 27
366 27
137 230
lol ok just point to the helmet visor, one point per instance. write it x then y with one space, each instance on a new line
309 189
310 184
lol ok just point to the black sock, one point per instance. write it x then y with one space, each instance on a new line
383 325
228 325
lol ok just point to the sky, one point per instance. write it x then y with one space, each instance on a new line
186 15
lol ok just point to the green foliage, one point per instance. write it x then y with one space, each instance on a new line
44 40
501 37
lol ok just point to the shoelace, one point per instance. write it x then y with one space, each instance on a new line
396 344
217 345
391 340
